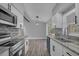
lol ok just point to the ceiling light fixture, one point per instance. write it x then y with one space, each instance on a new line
37 19
37 16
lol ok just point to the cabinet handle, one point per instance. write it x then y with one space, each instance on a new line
69 54
75 19
53 48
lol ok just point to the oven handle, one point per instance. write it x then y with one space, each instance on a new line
69 54
18 48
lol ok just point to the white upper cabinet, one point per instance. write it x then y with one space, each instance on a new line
5 5
57 20
19 16
55 48
70 17
15 9
20 7
77 11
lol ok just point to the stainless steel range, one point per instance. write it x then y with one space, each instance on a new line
14 47
4 34
9 38
9 33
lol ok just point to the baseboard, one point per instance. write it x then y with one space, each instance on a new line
36 38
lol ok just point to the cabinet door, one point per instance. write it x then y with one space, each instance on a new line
71 18
19 16
58 20
56 49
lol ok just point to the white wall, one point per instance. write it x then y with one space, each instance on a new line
33 31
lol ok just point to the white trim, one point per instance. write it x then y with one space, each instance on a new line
47 29
36 38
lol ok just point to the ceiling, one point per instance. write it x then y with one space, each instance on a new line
43 10
65 7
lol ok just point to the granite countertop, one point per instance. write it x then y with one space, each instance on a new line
19 37
70 45
3 49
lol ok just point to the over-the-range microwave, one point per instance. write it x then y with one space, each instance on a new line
7 17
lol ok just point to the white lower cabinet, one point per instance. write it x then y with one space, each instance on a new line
67 52
58 50
55 48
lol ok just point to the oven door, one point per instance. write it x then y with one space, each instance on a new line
18 51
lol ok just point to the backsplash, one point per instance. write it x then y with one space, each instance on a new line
3 29
73 28
12 31
58 32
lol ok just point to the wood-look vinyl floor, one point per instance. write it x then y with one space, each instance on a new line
37 48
